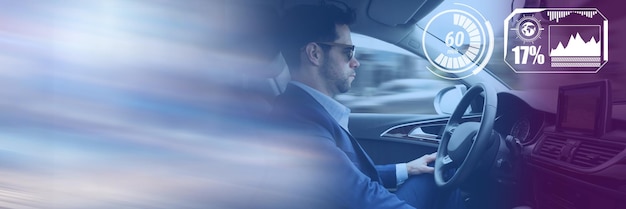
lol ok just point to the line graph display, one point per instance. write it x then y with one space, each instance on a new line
575 51
556 40
576 46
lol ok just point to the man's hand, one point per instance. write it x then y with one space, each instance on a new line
420 165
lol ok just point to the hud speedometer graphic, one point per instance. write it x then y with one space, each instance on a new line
556 40
467 42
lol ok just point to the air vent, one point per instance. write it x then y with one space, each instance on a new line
551 147
592 154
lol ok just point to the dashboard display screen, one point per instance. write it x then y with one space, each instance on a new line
584 108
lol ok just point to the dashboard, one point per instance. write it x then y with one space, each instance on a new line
553 169
565 169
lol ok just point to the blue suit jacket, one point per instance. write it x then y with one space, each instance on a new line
356 181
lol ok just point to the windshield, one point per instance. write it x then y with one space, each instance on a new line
391 80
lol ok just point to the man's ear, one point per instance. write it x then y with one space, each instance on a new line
314 54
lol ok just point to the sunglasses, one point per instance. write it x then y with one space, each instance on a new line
347 48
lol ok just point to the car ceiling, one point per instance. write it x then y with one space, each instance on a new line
374 18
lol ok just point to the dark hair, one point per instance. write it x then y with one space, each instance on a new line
311 23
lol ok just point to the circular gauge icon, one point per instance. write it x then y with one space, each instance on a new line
528 29
460 45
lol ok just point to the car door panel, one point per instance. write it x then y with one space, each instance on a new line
369 130
395 138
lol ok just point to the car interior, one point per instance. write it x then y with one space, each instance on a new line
529 151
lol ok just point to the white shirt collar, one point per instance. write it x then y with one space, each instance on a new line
338 111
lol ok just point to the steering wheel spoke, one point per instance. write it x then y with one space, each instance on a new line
462 144
450 128
446 160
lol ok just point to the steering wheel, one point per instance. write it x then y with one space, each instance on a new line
462 144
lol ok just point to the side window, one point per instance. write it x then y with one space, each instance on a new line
391 80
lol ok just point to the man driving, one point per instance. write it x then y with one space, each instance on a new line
318 50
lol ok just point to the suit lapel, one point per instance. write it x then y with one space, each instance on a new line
366 163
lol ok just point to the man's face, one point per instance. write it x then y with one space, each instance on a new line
338 69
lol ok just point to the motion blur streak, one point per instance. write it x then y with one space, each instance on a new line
131 104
